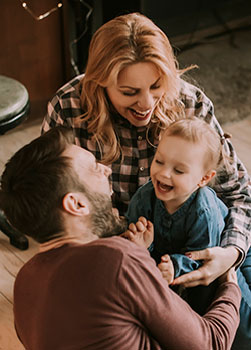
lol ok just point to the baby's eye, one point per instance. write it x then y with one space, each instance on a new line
158 161
178 171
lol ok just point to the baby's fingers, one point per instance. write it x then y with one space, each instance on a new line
132 227
129 235
141 225
149 225
143 220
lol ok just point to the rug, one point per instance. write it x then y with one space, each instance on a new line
224 73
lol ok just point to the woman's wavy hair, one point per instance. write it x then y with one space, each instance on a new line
126 40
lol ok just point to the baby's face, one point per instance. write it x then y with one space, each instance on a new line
177 170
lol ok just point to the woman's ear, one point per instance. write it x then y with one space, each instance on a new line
76 203
206 178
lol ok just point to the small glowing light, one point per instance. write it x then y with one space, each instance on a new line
46 14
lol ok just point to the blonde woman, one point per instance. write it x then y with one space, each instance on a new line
132 88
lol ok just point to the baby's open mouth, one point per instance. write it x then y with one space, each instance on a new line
163 187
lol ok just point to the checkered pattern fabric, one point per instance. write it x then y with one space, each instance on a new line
233 188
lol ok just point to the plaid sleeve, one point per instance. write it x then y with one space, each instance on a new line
232 186
64 106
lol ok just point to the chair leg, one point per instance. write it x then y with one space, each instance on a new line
17 239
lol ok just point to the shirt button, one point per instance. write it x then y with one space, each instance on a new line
140 138
141 168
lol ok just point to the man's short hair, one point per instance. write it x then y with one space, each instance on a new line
34 182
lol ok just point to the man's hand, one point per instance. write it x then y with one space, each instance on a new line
166 268
140 233
217 261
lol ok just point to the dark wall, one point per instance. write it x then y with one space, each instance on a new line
32 51
183 21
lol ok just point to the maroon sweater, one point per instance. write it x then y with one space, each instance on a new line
109 295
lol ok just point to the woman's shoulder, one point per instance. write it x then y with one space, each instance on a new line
191 94
71 88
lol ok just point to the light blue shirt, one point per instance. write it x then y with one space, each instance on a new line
196 225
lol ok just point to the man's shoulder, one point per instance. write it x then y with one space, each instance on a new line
122 251
117 244
104 251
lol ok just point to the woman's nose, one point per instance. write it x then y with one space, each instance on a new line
145 101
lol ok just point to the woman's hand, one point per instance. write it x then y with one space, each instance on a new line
140 233
217 261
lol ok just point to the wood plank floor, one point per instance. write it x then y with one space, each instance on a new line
12 259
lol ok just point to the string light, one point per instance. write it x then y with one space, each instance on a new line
74 41
44 15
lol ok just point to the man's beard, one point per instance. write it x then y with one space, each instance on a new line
104 222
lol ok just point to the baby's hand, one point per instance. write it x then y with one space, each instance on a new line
140 233
166 268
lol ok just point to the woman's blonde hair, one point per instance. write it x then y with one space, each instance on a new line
198 131
126 40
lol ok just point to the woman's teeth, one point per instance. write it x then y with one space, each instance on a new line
140 114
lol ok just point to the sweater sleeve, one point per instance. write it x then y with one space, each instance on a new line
170 320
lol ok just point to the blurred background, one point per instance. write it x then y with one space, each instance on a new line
43 53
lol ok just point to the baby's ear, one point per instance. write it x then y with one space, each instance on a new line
206 178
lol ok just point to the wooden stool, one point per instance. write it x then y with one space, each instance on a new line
14 108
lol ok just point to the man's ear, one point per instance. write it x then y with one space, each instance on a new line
206 178
76 203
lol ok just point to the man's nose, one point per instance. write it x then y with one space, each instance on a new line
107 170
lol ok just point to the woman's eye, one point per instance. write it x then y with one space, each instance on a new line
155 87
129 93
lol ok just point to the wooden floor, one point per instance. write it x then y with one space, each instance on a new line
12 259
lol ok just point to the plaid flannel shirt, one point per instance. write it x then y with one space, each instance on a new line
233 188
